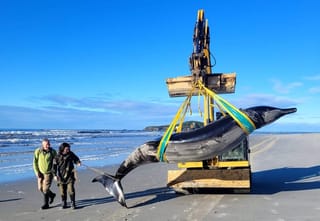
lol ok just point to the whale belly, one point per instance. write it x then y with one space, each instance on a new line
206 148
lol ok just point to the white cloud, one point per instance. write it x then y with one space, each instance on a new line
264 99
313 77
279 87
314 90
105 104
56 111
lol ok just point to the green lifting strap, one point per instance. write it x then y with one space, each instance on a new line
241 118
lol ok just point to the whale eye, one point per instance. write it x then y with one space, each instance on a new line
257 118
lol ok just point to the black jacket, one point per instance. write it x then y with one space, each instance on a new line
64 166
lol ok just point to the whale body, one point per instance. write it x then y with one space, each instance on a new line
201 144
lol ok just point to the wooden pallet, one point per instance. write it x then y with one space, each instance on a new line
210 178
221 83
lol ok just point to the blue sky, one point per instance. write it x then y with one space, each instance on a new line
103 64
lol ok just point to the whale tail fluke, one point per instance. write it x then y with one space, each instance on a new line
112 186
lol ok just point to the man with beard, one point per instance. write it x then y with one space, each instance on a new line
43 168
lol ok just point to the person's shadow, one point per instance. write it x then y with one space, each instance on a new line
263 182
160 194
285 179
12 199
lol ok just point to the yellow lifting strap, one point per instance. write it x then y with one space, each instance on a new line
166 137
241 118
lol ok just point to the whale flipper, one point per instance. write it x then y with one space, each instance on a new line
113 187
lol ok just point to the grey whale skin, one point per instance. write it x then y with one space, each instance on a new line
197 145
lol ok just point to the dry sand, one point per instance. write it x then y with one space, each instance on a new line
286 186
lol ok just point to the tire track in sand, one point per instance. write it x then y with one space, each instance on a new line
263 145
202 206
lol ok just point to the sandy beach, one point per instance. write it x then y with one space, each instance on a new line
285 186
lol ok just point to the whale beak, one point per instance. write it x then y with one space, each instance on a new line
288 111
271 114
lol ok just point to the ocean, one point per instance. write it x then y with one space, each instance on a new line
95 148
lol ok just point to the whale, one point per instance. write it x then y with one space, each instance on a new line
200 144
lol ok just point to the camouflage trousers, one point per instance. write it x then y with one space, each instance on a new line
44 183
67 188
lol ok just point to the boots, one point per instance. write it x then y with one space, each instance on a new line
51 196
64 202
73 205
45 201
73 201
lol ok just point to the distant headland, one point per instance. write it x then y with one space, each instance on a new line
186 126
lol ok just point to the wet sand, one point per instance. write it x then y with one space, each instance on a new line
286 186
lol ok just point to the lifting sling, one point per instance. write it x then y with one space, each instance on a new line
225 107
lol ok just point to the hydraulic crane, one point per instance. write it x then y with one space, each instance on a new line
230 169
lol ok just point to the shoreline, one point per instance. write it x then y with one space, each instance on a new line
286 186
17 176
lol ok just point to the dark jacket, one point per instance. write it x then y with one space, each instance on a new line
64 167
